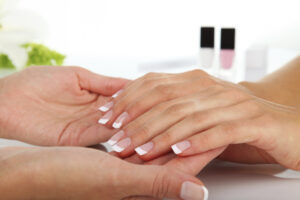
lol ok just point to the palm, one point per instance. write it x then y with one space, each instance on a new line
49 107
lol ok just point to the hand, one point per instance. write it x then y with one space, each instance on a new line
149 90
219 115
55 105
82 173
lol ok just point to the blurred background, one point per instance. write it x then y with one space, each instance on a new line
159 35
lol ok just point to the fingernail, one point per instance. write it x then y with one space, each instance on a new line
105 118
117 94
181 146
144 149
192 191
107 106
119 121
123 144
115 138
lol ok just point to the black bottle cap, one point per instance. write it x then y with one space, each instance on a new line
207 37
227 38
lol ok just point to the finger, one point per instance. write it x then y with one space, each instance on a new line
132 86
163 182
118 115
194 164
195 124
84 132
129 108
234 132
99 84
168 112
210 110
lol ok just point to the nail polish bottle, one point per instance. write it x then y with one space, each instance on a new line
227 53
207 45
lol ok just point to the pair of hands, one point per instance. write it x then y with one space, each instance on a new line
192 113
55 106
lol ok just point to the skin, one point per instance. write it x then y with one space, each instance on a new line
52 106
258 122
83 173
55 106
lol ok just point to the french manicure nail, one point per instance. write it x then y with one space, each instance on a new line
181 146
117 93
115 138
107 106
119 121
192 191
105 118
144 149
123 144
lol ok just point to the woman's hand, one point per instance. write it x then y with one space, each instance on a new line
81 173
217 115
55 105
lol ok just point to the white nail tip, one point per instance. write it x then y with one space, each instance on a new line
140 151
117 125
117 94
176 149
111 142
205 191
103 121
117 148
103 109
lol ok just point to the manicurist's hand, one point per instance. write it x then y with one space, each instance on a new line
55 105
80 173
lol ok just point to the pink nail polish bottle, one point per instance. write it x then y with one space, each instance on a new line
227 48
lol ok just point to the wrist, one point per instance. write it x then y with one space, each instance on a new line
254 88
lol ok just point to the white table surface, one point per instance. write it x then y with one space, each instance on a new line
223 179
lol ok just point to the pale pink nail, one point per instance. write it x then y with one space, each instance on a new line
115 138
144 149
123 144
105 118
193 191
120 120
117 93
181 146
106 107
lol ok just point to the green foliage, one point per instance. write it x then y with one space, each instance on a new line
39 54
5 62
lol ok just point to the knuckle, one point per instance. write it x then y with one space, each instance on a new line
119 106
136 108
217 87
162 183
161 106
149 83
144 131
175 109
151 74
162 89
167 136
199 72
229 128
198 117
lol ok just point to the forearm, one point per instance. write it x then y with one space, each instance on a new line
15 180
281 86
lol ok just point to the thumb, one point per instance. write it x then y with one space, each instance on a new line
96 83
163 182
